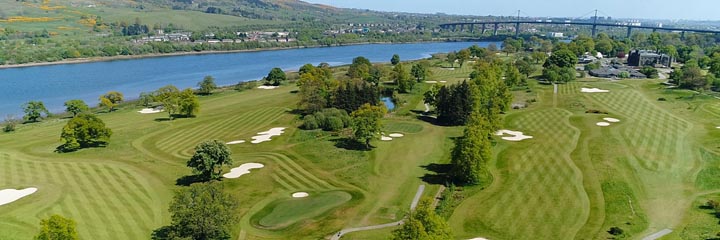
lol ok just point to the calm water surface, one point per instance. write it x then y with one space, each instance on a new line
56 84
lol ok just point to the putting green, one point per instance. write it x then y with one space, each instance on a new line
288 211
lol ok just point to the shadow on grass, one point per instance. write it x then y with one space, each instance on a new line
189 180
174 117
350 144
440 174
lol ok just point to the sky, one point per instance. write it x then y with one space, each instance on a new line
645 9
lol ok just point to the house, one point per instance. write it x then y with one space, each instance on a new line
616 71
639 58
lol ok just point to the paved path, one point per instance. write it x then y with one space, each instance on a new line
414 203
657 235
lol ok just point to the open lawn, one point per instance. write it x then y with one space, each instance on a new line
576 180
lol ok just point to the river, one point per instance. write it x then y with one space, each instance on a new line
55 84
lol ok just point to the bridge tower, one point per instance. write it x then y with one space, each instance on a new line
594 26
517 26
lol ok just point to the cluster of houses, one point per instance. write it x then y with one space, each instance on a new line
256 36
636 60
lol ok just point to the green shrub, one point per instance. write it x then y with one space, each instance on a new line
330 119
310 123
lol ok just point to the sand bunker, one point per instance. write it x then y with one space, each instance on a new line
242 170
516 135
443 81
612 120
265 136
431 81
478 238
385 138
300 195
149 111
235 142
396 135
268 87
603 124
593 90
427 107
11 195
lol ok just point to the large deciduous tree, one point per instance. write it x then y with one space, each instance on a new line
203 212
472 151
34 111
76 106
402 79
562 58
366 123
176 102
423 224
111 99
57 227
209 158
84 130
207 85
275 77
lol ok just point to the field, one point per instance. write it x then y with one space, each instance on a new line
574 180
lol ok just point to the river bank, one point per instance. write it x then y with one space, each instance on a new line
158 55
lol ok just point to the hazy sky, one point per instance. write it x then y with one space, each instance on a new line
655 9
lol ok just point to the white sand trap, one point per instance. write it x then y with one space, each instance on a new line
603 124
300 195
478 238
385 138
443 81
431 81
265 136
11 195
396 135
427 107
593 90
236 142
149 111
267 87
718 127
516 135
612 120
242 170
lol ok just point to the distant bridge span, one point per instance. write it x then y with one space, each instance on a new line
594 26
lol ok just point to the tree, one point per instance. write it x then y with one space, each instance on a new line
207 85
170 99
454 104
146 99
430 97
419 72
203 211
189 104
424 224
539 56
562 58
352 94
463 56
402 79
650 72
360 68
82 131
604 46
209 158
57 227
525 67
76 106
275 76
34 111
395 59
472 151
512 76
509 46
111 100
451 58
366 123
